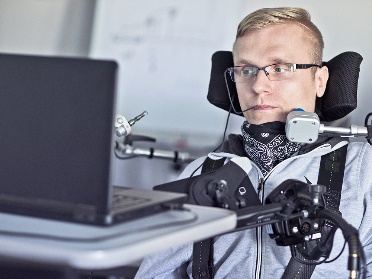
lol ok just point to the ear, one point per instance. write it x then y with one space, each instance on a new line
321 78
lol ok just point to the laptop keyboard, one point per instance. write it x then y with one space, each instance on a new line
120 200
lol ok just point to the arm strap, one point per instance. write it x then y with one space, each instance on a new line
202 260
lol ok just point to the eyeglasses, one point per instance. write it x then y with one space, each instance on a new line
283 71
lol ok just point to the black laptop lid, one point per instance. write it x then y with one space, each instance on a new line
56 128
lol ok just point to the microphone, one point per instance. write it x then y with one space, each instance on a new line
123 127
304 127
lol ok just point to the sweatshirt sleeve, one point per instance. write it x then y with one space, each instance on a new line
170 264
365 182
174 262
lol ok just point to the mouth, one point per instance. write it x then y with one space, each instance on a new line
263 107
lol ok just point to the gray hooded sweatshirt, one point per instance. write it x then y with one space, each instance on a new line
252 253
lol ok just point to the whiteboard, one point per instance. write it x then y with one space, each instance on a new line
164 51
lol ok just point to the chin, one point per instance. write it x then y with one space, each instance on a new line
259 117
263 120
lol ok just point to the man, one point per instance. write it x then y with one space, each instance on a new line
277 56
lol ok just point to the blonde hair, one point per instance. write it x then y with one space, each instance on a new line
268 16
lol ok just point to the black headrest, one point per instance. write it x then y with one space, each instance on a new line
339 99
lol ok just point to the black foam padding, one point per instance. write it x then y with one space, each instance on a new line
340 97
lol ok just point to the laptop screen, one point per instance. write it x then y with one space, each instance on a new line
56 128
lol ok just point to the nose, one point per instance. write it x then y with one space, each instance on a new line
261 84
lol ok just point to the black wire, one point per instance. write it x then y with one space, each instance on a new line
229 94
339 254
192 174
223 140
126 157
227 122
225 130
324 260
366 123
364 261
366 119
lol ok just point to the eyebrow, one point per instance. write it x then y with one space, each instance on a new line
274 60
244 62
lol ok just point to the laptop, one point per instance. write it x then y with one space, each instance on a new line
57 141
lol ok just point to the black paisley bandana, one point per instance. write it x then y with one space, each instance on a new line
267 145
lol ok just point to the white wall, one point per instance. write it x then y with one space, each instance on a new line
51 27
173 32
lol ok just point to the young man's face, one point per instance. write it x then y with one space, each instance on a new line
282 43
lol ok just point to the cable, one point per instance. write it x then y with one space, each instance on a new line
366 119
321 246
339 254
124 158
108 237
366 124
223 140
225 130
324 260
192 174
229 94
352 238
364 261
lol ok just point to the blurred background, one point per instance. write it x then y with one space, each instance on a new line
164 51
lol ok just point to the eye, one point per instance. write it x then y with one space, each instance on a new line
280 68
248 71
